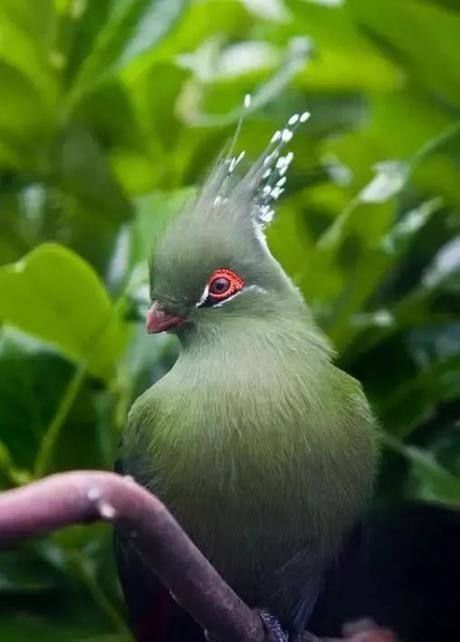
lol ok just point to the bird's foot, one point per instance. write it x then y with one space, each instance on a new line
364 630
276 633
272 626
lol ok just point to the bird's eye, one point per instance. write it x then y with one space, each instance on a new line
222 284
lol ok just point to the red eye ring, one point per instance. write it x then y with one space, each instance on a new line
224 283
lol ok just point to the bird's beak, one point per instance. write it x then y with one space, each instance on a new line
158 320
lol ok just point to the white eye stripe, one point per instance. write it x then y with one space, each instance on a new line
254 288
220 304
203 297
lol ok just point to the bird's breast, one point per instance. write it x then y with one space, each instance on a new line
252 459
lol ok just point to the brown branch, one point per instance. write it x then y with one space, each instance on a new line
82 497
88 496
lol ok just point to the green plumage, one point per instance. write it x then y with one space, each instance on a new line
262 448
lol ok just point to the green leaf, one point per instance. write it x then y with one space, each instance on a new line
453 5
431 482
431 53
22 572
23 33
296 54
346 60
445 265
153 213
389 180
434 482
131 29
268 9
10 475
38 21
81 168
193 29
402 233
55 619
25 118
32 380
55 296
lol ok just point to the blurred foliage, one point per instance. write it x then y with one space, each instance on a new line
112 111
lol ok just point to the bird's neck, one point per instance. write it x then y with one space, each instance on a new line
280 332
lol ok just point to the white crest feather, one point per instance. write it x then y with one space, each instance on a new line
258 188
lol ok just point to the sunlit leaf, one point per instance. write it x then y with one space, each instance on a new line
448 4
445 264
409 225
388 181
268 9
435 482
430 53
131 28
54 295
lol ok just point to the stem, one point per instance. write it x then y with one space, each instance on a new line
14 476
434 145
88 496
331 237
99 597
46 451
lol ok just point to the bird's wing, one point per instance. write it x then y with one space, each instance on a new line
290 592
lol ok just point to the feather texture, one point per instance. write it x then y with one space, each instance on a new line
260 446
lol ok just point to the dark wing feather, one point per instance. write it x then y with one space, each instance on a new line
400 569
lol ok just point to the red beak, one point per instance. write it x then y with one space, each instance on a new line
158 320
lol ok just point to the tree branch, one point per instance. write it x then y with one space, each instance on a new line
87 496
82 497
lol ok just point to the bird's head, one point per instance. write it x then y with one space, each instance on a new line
213 262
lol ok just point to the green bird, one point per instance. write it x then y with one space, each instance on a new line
258 444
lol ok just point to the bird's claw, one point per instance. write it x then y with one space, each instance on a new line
276 633
272 626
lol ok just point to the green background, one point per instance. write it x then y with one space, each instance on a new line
111 112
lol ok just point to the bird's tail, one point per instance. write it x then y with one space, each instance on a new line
153 614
